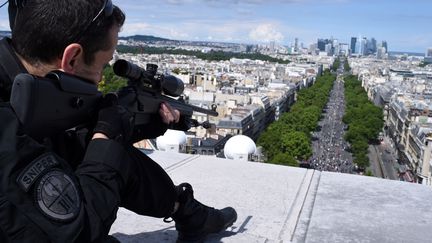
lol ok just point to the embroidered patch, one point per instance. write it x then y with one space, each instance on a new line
35 169
57 196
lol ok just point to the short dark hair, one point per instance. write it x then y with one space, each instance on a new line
44 28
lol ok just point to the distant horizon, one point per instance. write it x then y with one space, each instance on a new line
121 36
391 51
402 24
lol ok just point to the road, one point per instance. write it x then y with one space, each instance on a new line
328 145
385 157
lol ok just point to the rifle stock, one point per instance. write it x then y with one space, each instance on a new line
57 102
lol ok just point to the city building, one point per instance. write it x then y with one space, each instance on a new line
321 44
353 45
403 89
384 44
428 56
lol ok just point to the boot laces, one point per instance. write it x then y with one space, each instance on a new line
184 191
184 187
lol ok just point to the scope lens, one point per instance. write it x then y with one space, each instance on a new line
172 86
126 69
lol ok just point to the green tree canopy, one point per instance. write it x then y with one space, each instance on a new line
111 82
364 119
284 159
296 144
290 135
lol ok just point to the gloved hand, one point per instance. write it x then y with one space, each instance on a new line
168 114
116 122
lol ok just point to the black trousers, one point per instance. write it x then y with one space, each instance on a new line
3 237
150 191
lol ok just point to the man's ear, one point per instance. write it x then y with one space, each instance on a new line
72 58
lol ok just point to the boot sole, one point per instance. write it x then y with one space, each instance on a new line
206 234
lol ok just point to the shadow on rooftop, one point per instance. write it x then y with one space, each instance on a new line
163 235
169 234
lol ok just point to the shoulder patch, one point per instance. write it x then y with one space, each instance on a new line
57 196
35 169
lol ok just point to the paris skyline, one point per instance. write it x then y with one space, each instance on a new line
403 24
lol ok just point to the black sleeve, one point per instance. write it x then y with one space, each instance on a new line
184 124
153 129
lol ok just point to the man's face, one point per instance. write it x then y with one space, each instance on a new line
93 72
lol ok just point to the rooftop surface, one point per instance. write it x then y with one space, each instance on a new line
288 204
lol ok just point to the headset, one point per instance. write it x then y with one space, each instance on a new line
13 9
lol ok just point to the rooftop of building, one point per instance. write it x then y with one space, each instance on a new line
289 204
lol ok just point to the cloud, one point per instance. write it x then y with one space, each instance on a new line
4 25
179 35
251 1
226 31
261 2
177 2
266 33
225 3
161 30
243 12
412 43
134 28
261 21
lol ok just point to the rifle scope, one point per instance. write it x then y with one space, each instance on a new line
149 79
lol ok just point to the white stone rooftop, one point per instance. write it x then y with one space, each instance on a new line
288 204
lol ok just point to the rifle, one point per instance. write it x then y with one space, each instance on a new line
147 89
60 101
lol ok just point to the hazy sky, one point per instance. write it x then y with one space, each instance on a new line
406 25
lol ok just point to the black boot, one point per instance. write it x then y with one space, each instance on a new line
194 221
111 239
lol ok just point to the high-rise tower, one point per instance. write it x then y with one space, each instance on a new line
429 52
384 44
322 43
353 44
373 45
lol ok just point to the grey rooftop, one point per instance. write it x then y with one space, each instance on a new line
288 204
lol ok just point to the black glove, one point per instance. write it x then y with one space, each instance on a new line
116 122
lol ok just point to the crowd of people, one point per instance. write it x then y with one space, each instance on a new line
329 147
